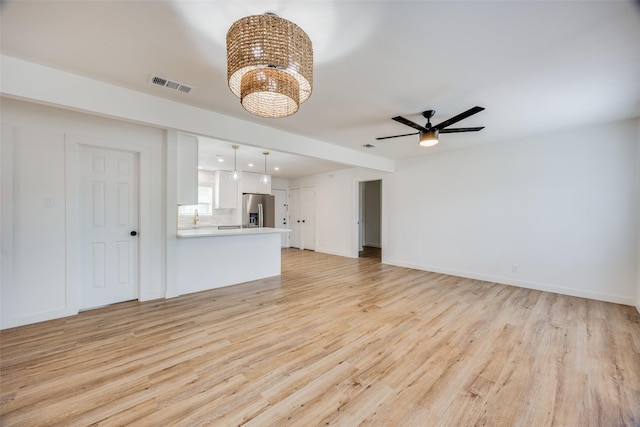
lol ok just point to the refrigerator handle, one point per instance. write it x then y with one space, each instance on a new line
260 217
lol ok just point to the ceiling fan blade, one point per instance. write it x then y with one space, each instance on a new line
457 118
407 122
397 136
456 130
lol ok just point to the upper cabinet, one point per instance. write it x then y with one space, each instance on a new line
250 183
187 160
225 191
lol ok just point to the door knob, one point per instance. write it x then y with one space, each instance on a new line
134 233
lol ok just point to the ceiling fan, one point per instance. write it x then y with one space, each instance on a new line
428 133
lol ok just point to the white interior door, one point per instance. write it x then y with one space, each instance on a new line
108 226
281 214
308 209
294 217
302 217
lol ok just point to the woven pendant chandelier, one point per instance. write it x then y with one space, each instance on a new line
269 65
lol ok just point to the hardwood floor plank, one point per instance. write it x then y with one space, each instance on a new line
332 341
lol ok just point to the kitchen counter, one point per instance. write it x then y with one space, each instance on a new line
215 232
208 257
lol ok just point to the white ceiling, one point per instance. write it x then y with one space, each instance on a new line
536 66
215 154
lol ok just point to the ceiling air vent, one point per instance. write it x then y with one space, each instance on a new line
170 84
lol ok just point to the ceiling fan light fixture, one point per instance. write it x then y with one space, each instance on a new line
429 134
269 65
429 138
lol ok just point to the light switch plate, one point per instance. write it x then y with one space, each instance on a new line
49 202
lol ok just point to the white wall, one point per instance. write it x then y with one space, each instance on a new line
560 209
336 208
35 278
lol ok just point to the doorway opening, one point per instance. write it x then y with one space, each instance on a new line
370 219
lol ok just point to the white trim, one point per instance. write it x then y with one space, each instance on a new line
637 304
355 239
72 219
343 254
171 211
72 150
286 237
6 221
521 284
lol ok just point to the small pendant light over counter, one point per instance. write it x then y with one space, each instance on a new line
269 65
235 175
265 179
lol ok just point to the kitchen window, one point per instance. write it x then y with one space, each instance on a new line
204 206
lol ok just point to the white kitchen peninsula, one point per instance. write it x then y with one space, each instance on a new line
210 258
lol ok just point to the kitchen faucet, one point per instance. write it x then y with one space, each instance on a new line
196 218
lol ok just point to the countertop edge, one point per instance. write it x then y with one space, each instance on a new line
213 232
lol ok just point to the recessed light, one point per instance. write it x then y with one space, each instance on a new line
250 165
220 158
276 168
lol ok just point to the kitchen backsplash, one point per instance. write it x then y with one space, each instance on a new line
218 217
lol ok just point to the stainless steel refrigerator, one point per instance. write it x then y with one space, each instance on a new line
258 210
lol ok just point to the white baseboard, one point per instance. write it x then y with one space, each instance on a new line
618 299
12 322
344 254
172 294
151 296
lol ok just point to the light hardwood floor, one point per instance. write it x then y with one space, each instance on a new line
333 341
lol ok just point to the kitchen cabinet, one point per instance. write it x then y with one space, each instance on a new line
250 183
187 170
225 191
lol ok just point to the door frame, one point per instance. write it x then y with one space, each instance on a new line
357 215
285 236
293 209
72 144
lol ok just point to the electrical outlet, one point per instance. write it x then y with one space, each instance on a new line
49 202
